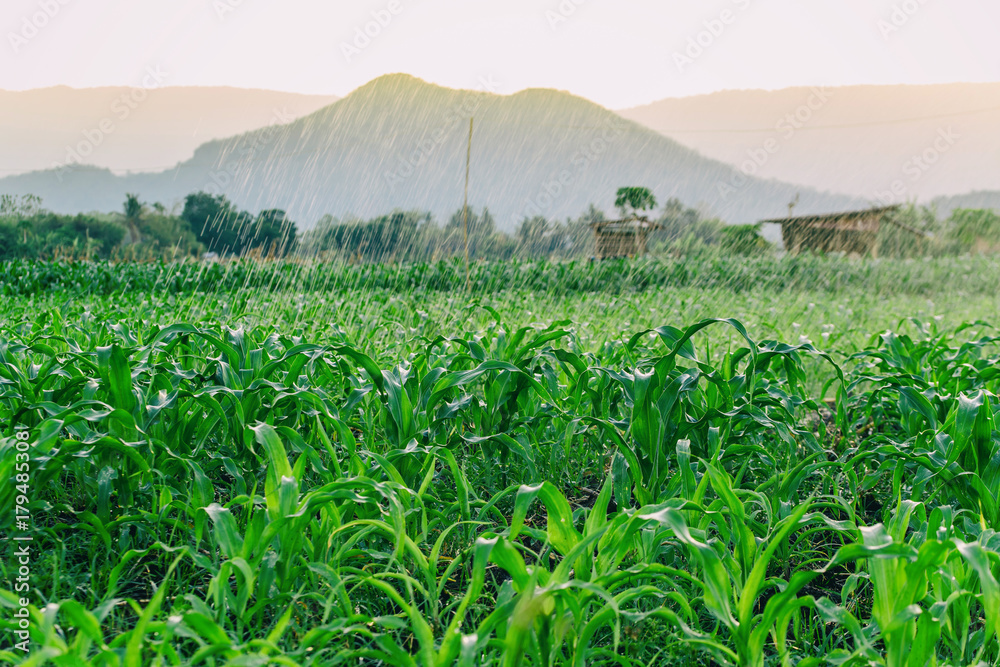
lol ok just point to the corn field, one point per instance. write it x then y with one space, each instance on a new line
337 465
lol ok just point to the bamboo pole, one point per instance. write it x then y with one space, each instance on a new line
465 208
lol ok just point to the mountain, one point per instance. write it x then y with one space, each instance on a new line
935 140
133 129
399 142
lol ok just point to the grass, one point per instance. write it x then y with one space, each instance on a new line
325 465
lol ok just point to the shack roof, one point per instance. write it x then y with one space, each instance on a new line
833 220
625 225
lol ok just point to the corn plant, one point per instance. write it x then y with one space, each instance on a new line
314 464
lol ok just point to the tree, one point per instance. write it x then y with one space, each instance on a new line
975 230
13 207
591 215
678 221
676 214
19 212
201 208
62 234
8 243
274 232
635 201
169 234
399 236
534 237
223 228
133 215
578 236
215 221
531 231
483 236
480 225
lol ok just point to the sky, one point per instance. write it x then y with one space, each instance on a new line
618 53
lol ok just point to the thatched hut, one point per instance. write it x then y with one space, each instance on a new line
622 238
850 232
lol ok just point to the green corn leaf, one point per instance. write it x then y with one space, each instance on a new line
561 532
227 534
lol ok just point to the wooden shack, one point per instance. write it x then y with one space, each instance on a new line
850 232
622 238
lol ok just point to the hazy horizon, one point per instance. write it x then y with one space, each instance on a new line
340 95
619 56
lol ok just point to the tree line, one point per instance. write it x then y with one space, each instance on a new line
205 224
416 236
211 225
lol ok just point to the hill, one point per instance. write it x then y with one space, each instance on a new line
399 142
937 140
150 129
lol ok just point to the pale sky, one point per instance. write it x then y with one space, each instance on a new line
619 53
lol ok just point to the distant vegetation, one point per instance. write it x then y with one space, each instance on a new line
212 224
142 231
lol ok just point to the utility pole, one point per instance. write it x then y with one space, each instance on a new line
468 158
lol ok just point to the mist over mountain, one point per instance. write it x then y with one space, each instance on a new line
399 142
133 129
933 140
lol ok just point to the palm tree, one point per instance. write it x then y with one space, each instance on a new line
133 211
